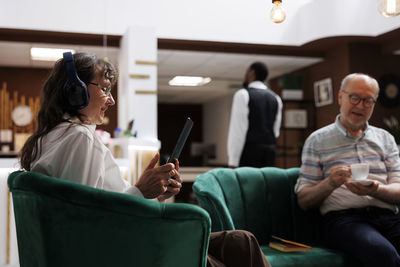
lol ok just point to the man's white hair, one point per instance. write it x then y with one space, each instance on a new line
368 79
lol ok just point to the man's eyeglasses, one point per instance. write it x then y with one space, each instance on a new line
355 100
106 90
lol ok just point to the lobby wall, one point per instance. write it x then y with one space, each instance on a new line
29 82
341 60
212 119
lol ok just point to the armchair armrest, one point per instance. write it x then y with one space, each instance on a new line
211 198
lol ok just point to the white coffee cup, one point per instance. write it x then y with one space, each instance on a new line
359 171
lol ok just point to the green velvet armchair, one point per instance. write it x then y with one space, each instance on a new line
263 202
61 223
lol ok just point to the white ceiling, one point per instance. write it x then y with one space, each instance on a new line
225 69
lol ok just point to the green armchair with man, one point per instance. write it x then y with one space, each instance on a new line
359 220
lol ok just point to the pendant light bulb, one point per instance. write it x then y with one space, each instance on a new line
277 14
389 8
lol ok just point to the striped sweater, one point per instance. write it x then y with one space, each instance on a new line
332 146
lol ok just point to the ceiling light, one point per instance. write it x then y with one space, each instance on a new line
48 54
189 81
277 14
389 8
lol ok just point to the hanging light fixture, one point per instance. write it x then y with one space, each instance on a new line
105 58
105 48
277 14
389 8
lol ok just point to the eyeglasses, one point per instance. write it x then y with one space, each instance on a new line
355 100
106 90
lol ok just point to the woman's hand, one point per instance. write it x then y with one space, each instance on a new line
155 180
175 183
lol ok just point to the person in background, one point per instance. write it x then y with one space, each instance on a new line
74 100
255 121
358 219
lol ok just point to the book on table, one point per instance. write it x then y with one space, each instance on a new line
287 245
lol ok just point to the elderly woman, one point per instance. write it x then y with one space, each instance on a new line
74 100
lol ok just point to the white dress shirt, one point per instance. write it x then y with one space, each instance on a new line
239 123
75 152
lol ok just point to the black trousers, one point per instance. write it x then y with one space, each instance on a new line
370 234
257 155
236 248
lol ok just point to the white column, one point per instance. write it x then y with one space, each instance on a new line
137 94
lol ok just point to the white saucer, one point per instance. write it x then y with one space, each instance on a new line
362 181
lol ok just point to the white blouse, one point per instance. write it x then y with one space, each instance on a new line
75 152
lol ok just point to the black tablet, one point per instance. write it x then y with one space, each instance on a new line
181 140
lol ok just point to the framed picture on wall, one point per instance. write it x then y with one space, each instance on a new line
323 93
296 118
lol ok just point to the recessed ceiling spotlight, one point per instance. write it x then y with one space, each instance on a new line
48 54
189 81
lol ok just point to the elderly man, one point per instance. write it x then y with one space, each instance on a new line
358 219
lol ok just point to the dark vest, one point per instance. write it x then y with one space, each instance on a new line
263 107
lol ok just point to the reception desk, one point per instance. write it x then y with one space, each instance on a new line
136 153
189 174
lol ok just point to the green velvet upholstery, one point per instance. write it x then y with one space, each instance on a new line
263 202
61 223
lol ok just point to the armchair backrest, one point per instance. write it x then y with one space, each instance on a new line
61 223
261 201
